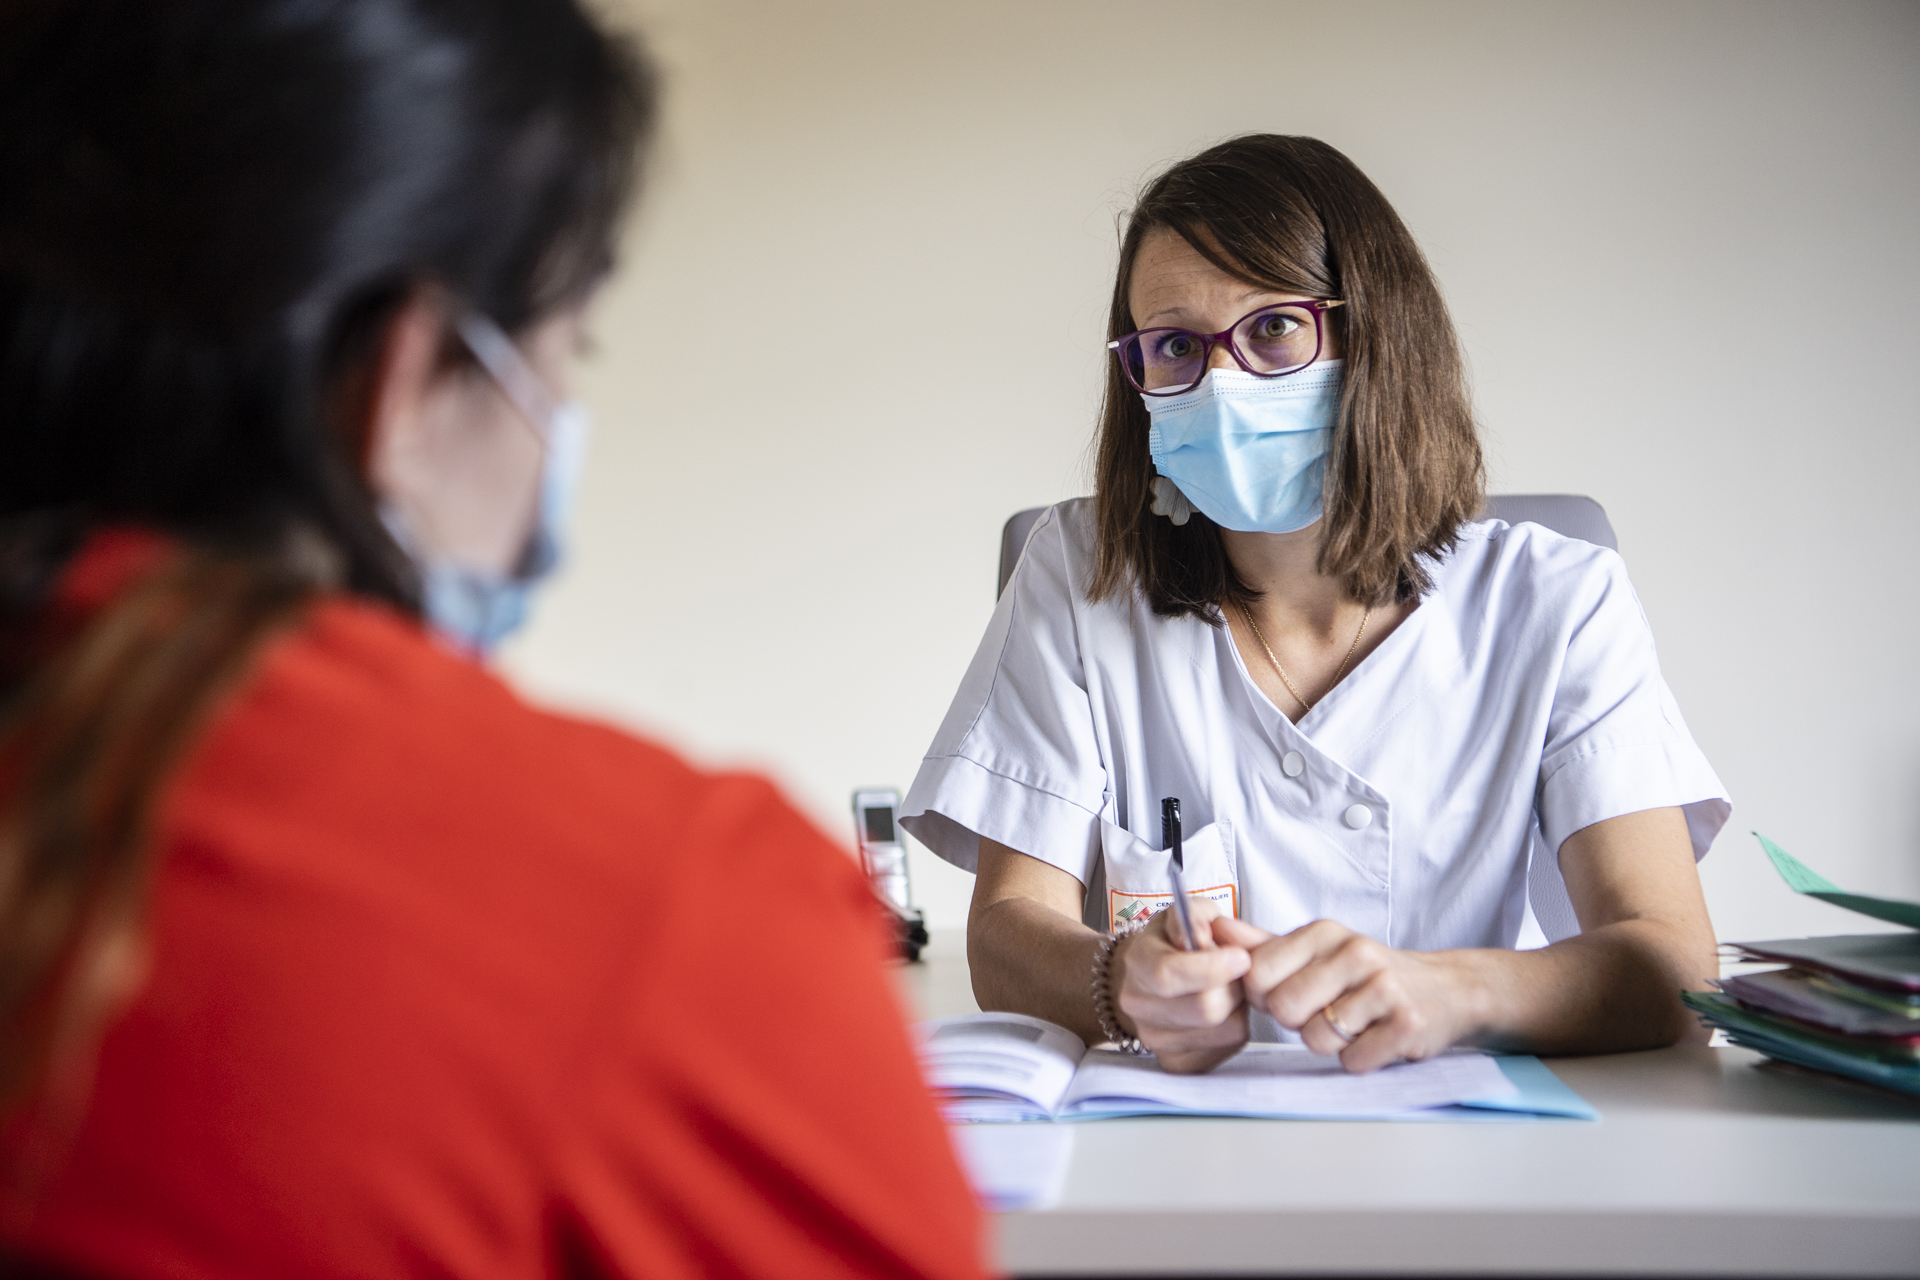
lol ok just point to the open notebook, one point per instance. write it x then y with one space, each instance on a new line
1006 1067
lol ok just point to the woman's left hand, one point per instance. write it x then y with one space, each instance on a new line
1349 995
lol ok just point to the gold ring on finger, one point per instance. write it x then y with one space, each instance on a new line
1334 1022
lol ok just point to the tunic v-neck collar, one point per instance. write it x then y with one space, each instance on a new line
1324 725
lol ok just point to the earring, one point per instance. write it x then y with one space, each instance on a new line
1168 501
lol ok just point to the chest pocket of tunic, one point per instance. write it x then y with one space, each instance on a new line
1136 872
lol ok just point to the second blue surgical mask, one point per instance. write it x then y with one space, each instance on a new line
474 608
1248 452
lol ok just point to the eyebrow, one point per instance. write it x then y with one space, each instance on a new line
1246 297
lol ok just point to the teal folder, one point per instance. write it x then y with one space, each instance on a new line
1776 1040
1803 879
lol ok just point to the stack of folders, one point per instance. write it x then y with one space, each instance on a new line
1849 1005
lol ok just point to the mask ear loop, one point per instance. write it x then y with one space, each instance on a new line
501 358
504 362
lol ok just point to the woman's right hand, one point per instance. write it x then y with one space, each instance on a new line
1186 1006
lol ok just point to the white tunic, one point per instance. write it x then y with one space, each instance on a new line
1421 802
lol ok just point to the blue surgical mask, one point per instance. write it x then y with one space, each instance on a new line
471 607
1249 452
477 610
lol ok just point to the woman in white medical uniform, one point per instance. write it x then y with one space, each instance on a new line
1393 728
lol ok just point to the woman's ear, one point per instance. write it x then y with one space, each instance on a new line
448 455
399 379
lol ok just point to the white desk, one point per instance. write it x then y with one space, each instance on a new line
1705 1163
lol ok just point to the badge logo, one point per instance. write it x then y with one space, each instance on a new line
1124 908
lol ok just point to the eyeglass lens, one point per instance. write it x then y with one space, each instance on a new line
1270 342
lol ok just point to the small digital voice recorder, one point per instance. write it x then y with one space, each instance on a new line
883 856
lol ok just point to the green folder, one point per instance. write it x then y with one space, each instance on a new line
1757 1031
1891 961
1803 879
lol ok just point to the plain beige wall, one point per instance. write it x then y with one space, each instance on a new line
1679 241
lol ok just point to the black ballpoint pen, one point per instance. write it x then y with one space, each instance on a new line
1176 863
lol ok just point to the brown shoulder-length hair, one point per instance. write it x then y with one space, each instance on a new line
1404 469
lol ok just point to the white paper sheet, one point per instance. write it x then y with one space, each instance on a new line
1007 1067
1015 1166
1280 1080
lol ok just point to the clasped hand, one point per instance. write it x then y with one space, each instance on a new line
1190 1007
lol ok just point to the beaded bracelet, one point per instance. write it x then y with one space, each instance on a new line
1103 990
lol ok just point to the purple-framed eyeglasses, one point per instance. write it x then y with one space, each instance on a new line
1269 342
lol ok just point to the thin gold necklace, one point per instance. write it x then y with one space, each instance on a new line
1247 614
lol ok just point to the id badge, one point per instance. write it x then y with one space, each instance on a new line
1137 887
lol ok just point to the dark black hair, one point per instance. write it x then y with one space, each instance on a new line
208 206
209 211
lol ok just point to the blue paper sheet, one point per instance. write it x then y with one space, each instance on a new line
1543 1096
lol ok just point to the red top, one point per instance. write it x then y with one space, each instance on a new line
445 985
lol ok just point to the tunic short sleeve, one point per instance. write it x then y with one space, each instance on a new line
1616 742
1018 759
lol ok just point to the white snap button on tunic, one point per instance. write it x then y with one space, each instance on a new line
1293 764
1357 816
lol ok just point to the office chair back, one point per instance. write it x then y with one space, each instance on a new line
1571 515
